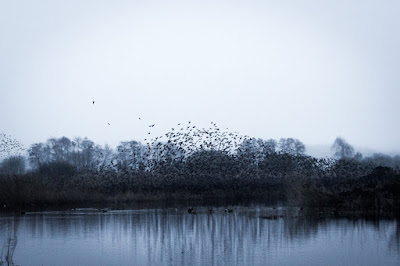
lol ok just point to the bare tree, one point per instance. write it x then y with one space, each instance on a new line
291 146
83 154
39 154
105 157
269 146
341 149
130 155
61 148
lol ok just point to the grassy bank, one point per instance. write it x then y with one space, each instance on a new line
18 191
376 191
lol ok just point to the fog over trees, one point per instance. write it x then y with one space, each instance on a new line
83 155
206 162
341 149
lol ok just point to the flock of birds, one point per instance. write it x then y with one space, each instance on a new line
181 141
185 139
10 146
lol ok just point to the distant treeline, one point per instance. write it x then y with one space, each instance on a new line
199 164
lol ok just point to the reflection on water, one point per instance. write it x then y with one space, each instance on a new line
175 237
9 228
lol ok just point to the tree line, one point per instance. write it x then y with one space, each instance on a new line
199 163
83 155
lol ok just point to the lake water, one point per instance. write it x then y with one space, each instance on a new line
248 235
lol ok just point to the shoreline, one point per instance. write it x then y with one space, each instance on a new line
276 209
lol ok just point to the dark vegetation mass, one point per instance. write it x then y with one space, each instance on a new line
190 163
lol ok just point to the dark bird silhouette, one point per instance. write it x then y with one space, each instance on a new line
228 210
191 210
108 123
93 102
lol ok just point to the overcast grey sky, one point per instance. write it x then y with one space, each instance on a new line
311 70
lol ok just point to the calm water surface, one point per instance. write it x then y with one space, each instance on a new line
247 236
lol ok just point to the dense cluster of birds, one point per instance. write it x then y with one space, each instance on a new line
181 142
9 145
184 140
187 139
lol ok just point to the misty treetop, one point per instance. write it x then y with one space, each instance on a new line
342 149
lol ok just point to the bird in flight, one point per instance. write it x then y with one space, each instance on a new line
93 102
108 123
